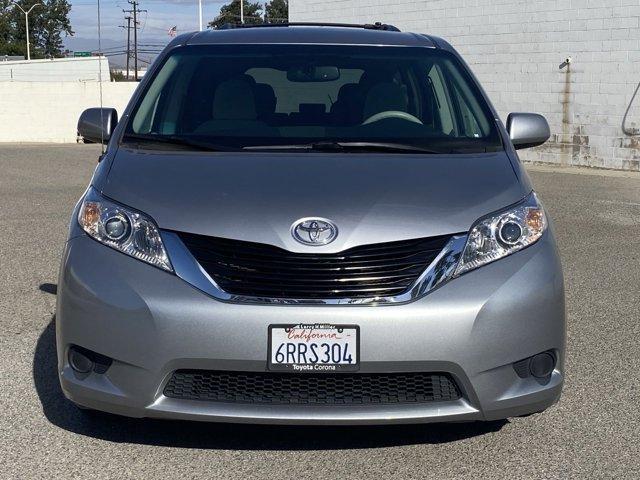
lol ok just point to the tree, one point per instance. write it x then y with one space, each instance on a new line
47 24
276 11
7 29
230 13
50 25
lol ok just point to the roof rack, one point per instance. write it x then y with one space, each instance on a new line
367 26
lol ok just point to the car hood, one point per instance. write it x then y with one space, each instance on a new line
256 197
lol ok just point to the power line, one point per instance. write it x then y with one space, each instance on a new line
128 27
135 11
121 47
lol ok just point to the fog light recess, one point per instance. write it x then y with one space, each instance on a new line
83 360
542 364
79 361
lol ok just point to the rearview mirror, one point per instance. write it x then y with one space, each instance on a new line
97 124
313 73
527 130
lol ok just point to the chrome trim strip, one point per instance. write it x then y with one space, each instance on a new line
439 271
306 415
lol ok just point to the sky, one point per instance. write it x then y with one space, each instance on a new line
154 24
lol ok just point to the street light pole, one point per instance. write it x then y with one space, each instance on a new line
200 13
26 21
241 11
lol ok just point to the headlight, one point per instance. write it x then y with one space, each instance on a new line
123 228
503 233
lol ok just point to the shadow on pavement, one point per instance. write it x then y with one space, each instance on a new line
64 414
51 288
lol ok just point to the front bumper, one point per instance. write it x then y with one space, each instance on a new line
153 323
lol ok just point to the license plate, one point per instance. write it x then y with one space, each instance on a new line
314 348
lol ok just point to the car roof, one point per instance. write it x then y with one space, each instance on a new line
306 34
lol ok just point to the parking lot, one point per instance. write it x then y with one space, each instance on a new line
592 433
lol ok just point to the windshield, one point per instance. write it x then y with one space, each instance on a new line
253 96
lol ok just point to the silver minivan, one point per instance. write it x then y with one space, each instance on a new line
311 224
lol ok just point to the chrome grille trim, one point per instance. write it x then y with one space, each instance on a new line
438 272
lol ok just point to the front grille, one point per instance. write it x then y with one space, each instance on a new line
311 389
259 270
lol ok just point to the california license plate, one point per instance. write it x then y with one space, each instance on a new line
314 348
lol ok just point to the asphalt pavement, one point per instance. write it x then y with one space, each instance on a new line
594 432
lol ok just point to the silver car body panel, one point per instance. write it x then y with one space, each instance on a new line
152 323
257 196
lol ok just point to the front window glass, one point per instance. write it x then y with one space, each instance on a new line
252 96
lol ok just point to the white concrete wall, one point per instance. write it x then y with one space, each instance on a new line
82 69
49 111
515 48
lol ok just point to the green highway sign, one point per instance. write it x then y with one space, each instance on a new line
81 54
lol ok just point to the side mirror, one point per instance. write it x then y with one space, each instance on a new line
527 130
97 124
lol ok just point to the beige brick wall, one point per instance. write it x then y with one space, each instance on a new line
49 111
515 48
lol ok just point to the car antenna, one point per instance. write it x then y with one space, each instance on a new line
100 83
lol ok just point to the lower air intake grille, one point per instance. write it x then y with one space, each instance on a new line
311 389
260 270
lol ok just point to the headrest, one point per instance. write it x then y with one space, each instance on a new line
247 78
234 100
348 92
373 77
266 100
385 97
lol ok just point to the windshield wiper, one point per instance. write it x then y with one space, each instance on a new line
349 146
176 140
381 146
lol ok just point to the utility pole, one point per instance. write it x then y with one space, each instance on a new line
26 21
135 10
128 27
241 11
200 13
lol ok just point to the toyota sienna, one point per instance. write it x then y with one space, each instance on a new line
311 224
